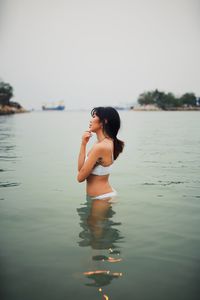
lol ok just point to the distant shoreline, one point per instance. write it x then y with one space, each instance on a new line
10 110
155 108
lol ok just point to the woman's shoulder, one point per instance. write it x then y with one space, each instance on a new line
96 148
99 148
104 147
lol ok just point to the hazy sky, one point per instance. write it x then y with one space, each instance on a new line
105 52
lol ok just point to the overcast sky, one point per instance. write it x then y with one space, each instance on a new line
98 52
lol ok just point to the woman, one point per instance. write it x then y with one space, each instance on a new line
95 166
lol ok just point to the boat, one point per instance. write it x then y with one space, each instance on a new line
53 106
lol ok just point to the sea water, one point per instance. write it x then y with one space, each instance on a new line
57 244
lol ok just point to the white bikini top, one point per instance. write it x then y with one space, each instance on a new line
102 170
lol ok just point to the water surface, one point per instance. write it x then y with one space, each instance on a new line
51 235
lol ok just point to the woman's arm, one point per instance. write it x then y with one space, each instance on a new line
81 158
89 164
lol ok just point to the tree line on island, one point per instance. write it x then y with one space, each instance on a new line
156 98
6 105
167 101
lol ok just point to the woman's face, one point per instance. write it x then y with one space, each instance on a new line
95 123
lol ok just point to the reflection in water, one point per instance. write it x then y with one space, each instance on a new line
100 233
7 152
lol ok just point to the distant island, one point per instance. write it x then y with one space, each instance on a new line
8 107
157 100
147 101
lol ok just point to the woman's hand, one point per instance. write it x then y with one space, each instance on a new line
86 136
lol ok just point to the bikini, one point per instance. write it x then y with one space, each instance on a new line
100 170
105 196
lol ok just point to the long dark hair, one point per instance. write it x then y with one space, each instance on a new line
110 119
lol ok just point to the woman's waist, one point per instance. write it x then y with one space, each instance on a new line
97 179
98 186
103 194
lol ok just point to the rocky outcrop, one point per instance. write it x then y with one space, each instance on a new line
12 108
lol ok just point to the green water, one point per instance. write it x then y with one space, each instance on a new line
47 238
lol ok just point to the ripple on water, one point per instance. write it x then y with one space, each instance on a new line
8 184
163 183
7 157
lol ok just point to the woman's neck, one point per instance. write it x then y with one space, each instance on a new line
101 136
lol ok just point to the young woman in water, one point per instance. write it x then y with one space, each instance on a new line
95 166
